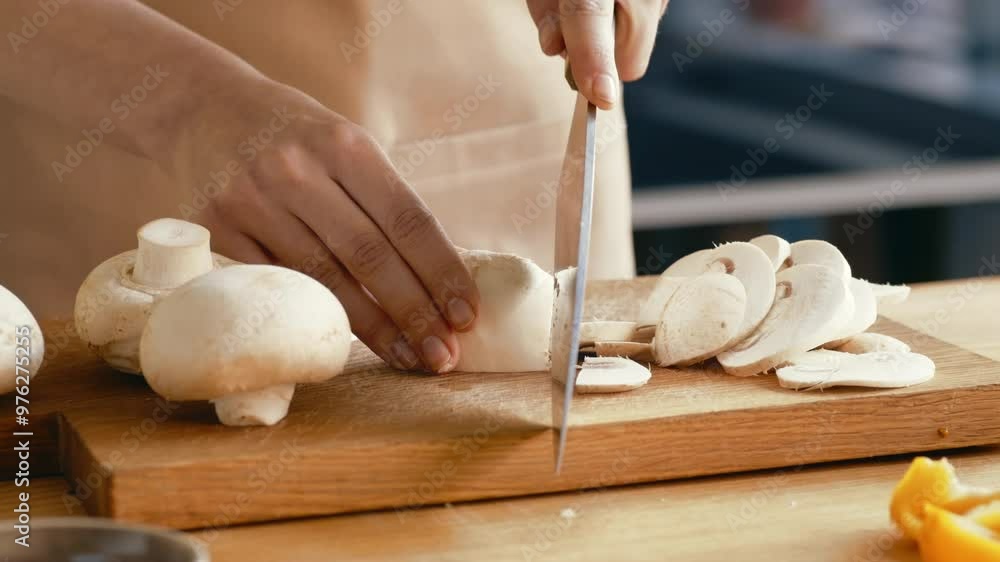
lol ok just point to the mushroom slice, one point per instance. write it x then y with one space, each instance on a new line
700 320
808 307
22 346
777 248
870 343
606 330
746 262
610 374
115 299
865 312
242 337
889 294
630 349
818 252
665 287
888 369
511 333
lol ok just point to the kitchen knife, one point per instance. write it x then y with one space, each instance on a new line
574 207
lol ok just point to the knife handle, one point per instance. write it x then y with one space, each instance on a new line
569 68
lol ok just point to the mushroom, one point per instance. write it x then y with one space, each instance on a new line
746 262
610 374
776 248
889 294
864 315
810 304
242 337
22 346
701 319
869 342
631 349
818 252
606 330
511 333
114 301
887 369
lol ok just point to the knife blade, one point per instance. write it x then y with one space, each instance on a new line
574 209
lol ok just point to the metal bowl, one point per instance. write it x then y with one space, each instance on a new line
86 539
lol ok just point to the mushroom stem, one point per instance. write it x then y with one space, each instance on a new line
171 252
267 406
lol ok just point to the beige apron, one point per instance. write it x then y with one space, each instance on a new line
457 91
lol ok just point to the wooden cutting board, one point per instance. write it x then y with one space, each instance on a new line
378 439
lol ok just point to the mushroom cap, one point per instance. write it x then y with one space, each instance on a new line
14 313
243 328
511 333
111 309
777 248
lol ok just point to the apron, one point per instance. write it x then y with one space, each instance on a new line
456 91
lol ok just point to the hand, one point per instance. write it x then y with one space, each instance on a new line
281 179
582 30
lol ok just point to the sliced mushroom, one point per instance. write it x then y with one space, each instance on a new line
809 304
865 312
242 337
818 252
889 294
606 330
652 309
610 374
871 343
701 319
512 329
22 346
630 349
746 262
114 301
777 249
876 370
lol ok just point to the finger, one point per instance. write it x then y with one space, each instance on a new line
409 225
297 247
635 34
238 246
587 31
545 13
366 253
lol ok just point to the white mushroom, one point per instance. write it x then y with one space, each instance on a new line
610 374
511 333
865 312
777 249
242 337
22 346
889 294
746 262
869 342
809 306
632 350
114 301
652 308
606 330
818 252
701 319
878 370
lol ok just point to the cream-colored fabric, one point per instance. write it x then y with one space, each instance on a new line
456 91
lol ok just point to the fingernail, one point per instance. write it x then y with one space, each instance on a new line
605 88
460 313
546 34
405 354
436 354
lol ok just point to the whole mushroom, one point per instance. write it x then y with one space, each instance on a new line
18 331
114 301
242 337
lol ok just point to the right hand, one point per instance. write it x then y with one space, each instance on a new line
315 192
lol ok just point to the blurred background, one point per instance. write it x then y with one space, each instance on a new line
874 124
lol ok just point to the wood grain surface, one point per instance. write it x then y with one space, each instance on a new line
374 438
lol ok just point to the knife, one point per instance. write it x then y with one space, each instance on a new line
574 208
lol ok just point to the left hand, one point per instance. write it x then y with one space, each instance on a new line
582 30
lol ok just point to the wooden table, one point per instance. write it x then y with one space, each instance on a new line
835 512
